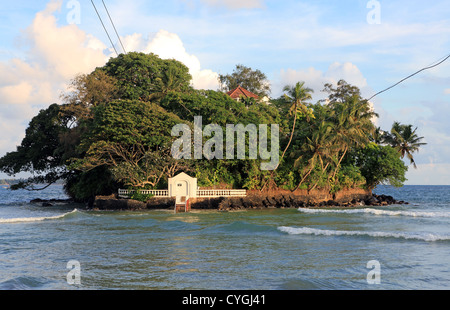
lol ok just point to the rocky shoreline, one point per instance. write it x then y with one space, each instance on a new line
291 201
254 200
51 202
281 201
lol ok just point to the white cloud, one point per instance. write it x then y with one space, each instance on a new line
316 79
348 72
16 94
56 54
169 46
235 4
429 174
447 91
65 50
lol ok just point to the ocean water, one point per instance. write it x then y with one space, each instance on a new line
290 249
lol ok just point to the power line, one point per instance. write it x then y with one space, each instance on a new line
410 76
114 26
104 27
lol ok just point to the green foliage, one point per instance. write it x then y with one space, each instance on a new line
214 107
218 108
252 80
131 138
83 185
89 140
41 152
131 122
114 131
139 196
379 164
140 75
405 140
296 98
350 177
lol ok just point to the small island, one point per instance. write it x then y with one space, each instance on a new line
133 125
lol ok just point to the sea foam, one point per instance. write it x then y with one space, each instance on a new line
35 219
403 235
379 212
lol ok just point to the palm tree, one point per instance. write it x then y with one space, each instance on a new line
168 82
353 126
405 140
296 96
378 136
317 149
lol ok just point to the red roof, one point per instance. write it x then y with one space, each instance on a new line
239 91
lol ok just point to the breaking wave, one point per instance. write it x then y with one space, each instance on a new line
423 236
35 219
380 212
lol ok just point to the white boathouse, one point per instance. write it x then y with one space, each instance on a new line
183 187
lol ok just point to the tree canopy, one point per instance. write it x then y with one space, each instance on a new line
41 152
114 129
250 79
139 75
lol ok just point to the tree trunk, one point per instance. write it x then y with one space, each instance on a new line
304 178
290 140
339 163
285 150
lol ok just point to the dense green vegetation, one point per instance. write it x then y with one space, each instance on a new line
252 80
113 129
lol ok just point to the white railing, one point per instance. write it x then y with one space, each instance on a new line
222 193
125 193
210 193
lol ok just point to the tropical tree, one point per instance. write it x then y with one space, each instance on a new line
352 117
250 79
378 165
169 81
316 151
87 91
41 152
139 75
405 140
297 96
133 140
378 136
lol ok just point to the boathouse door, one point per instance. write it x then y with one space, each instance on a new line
181 192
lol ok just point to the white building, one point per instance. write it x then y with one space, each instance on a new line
183 187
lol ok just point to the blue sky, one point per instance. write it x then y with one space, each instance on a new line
313 41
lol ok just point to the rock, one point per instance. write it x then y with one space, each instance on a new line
255 201
51 201
136 205
372 201
332 203
110 204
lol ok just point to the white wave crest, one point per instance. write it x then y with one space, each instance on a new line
378 212
323 232
35 219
